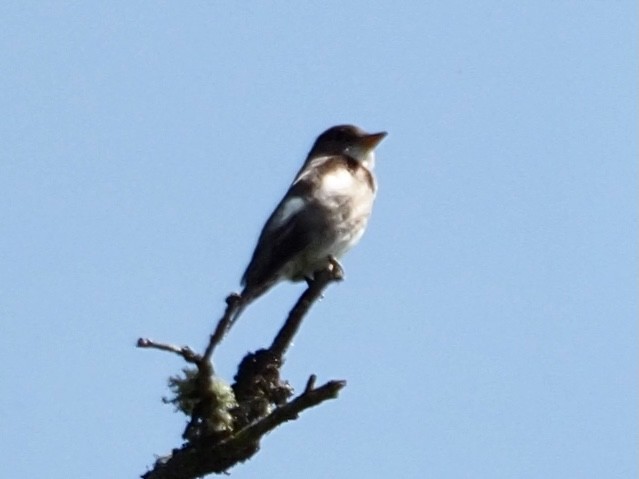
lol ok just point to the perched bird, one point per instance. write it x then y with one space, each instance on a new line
323 214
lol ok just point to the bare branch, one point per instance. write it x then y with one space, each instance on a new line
185 352
314 291
233 303
290 411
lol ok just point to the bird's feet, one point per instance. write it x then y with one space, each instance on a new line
335 268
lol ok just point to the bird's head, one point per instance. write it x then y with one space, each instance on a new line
348 140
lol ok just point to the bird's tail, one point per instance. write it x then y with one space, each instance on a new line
246 297
237 310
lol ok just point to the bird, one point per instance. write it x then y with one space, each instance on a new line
322 215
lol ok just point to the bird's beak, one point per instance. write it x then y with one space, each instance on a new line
371 141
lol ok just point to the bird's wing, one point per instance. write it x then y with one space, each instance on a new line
288 231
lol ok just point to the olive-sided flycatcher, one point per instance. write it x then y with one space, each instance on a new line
323 214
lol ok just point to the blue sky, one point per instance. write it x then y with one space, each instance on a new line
487 325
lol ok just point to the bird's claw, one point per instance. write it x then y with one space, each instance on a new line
335 268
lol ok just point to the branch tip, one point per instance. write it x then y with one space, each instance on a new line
310 384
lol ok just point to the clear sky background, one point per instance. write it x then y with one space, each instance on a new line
487 326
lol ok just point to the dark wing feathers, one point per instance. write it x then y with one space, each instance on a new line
280 240
280 243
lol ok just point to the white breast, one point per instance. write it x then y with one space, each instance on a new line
337 182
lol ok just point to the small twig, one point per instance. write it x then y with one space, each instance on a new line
233 302
310 384
314 291
185 352
288 411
